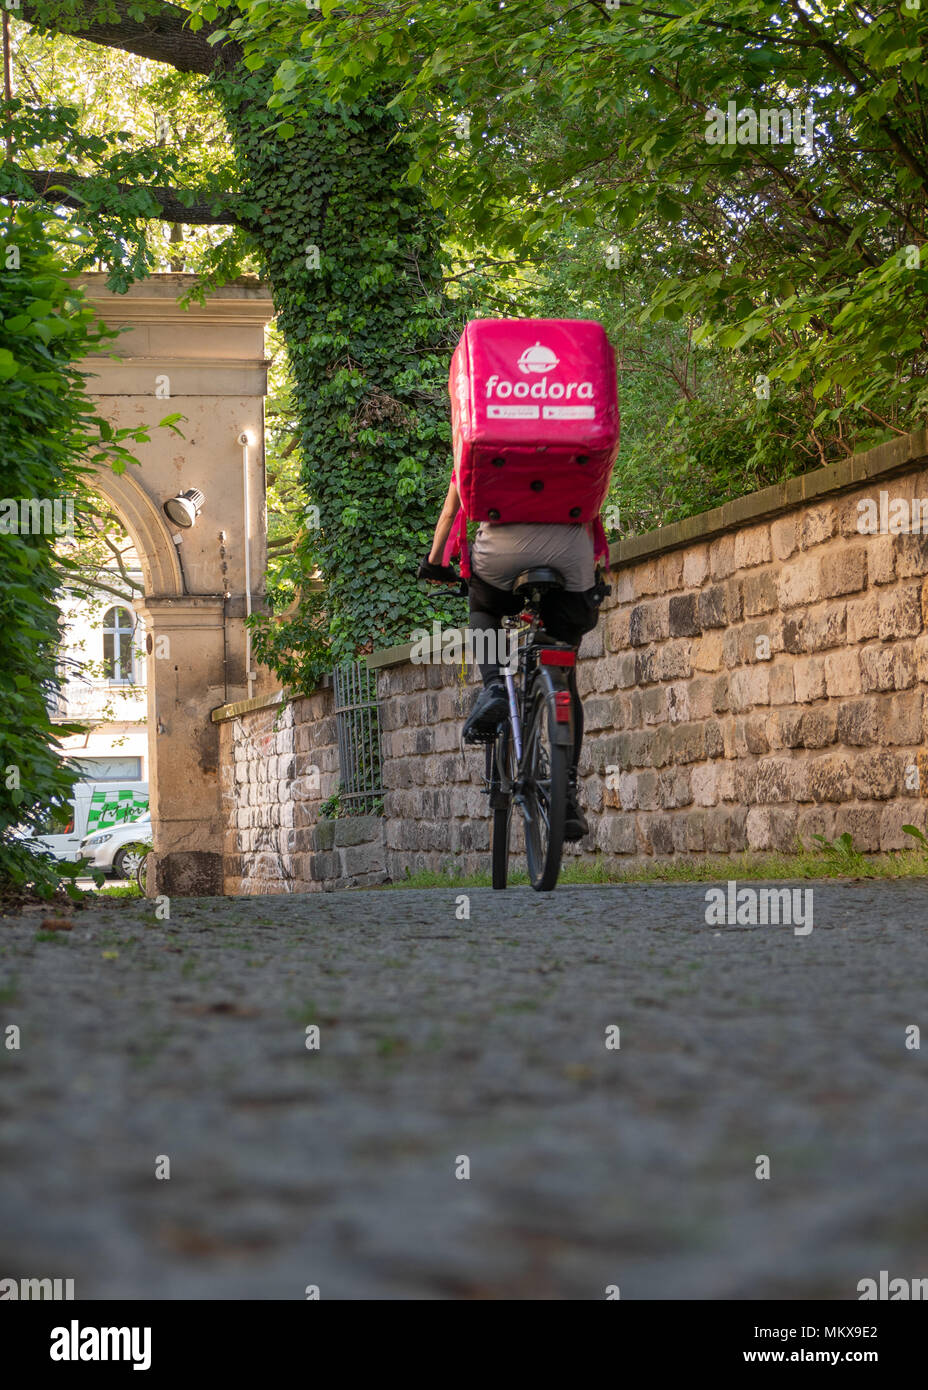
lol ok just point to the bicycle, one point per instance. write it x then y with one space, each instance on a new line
528 757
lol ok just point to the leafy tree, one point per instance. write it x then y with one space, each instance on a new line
810 262
323 210
51 439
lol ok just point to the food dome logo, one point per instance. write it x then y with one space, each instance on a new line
537 359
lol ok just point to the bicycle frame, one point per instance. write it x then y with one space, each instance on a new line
515 718
526 656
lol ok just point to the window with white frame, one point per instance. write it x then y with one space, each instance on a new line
118 655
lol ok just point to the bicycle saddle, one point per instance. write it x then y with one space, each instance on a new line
540 580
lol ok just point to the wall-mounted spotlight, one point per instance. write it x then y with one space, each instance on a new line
184 509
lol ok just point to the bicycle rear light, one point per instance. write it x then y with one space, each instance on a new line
551 657
562 706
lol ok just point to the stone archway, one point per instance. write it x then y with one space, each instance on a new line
147 525
206 362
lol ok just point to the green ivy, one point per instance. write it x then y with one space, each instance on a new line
352 253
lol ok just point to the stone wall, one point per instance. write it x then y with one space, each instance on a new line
757 677
279 764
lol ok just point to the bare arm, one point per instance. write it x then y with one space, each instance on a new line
449 511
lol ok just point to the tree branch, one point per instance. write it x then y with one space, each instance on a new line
48 184
163 35
86 588
912 163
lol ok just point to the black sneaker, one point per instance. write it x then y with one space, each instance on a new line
490 708
575 822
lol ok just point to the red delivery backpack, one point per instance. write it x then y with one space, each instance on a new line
535 422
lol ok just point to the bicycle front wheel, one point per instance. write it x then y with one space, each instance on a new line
544 796
501 803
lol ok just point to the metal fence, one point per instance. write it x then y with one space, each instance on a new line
358 721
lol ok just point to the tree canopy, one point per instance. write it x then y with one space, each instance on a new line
736 189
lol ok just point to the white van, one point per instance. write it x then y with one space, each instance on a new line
94 805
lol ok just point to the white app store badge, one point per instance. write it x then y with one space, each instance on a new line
512 412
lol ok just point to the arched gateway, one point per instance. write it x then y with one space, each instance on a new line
206 362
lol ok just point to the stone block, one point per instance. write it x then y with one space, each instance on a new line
842 672
861 824
626 673
863 618
775 780
689 743
368 858
781 686
772 828
682 616
648 622
900 613
725 831
700 698
752 546
720 694
783 537
615 834
876 776
678 705
858 723
704 783
816 525
759 593
658 834
843 571
670 571
815 820
715 739
893 818
911 555
707 652
830 778
617 627
722 560
356 830
695 565
673 661
799 582
675 788
809 679
711 607
876 668
901 723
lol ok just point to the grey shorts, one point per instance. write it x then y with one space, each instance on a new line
500 552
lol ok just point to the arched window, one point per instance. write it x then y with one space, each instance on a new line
118 658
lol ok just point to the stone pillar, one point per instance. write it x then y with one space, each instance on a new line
206 362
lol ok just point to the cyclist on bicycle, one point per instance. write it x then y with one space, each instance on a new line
500 552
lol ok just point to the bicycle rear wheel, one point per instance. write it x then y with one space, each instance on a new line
501 805
544 796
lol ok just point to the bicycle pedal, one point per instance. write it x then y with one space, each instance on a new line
475 738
